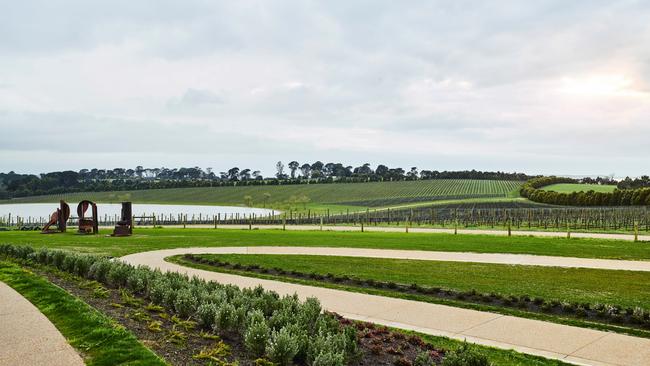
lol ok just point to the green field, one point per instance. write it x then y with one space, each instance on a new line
315 196
152 239
575 187
625 288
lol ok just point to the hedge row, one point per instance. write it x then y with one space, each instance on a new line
533 190
281 329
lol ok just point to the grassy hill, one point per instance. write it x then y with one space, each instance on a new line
313 196
575 187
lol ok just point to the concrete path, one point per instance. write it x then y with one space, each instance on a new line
570 344
415 230
27 337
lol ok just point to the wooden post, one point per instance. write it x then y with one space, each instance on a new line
361 225
184 220
510 227
214 218
636 231
284 222
568 229
321 223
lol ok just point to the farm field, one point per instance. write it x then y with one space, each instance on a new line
152 239
335 196
575 187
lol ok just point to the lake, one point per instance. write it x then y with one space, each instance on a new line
38 211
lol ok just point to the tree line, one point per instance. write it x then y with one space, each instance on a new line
534 191
120 179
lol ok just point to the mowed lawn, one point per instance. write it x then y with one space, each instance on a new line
574 187
152 239
625 288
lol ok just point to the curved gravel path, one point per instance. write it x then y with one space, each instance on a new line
496 258
570 344
423 230
27 337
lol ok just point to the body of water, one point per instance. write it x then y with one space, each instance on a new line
38 211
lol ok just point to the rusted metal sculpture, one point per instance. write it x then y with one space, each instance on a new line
87 225
124 227
60 218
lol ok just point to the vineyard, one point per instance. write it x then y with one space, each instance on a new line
373 194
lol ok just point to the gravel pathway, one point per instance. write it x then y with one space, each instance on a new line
27 337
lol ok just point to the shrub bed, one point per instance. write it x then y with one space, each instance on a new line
605 313
266 328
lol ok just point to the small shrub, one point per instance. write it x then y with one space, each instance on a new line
185 303
256 337
282 347
205 315
465 356
117 274
226 318
99 269
329 358
423 359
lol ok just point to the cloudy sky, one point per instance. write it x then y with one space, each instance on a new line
557 87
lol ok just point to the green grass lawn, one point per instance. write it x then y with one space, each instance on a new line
101 341
337 197
152 239
574 187
625 288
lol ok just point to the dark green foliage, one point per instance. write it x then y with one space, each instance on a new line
466 355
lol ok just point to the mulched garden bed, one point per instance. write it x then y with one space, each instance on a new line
180 342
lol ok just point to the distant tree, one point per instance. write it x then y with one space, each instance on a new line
293 166
413 173
245 174
305 170
233 174
257 175
279 168
382 172
317 169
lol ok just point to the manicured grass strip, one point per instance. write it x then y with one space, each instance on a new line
100 340
496 356
513 311
152 239
625 288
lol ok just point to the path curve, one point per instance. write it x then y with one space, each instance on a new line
495 258
571 344
27 337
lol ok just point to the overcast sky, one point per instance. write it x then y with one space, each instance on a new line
553 87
